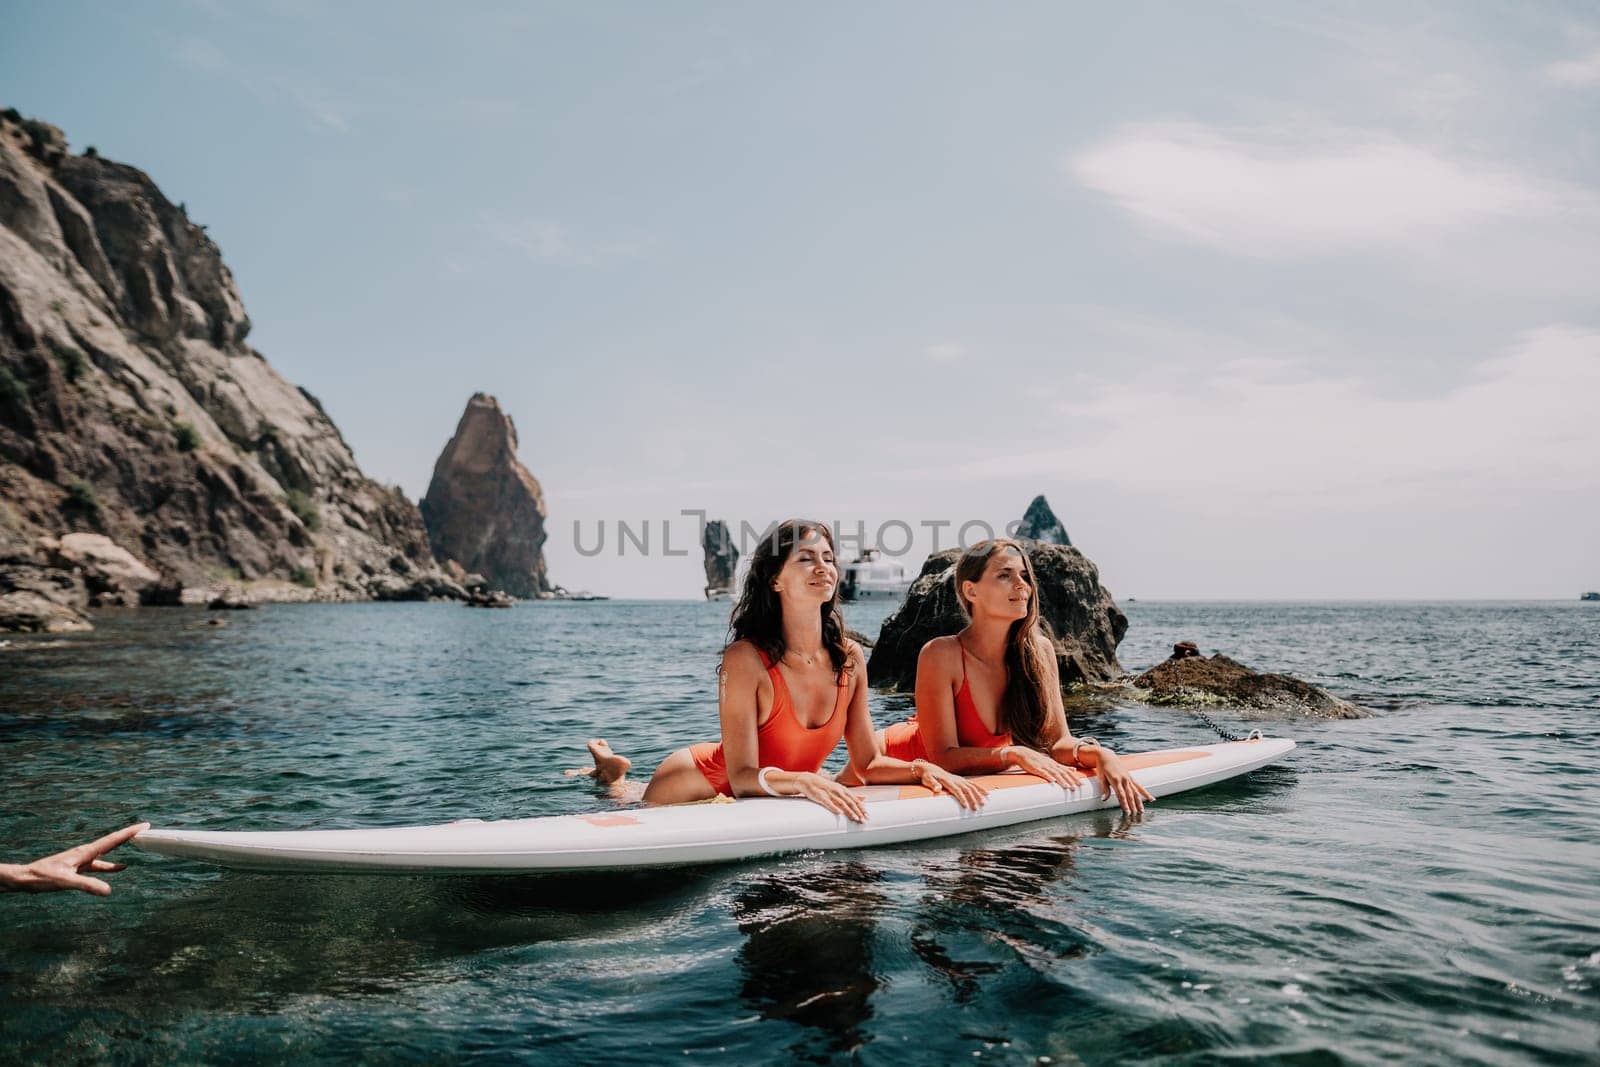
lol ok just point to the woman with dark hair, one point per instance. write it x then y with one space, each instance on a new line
791 685
989 697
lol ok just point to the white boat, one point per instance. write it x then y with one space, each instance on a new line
871 577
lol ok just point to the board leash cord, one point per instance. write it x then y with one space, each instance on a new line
1224 732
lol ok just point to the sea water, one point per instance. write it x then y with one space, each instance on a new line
1420 885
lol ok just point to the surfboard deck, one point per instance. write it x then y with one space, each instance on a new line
684 835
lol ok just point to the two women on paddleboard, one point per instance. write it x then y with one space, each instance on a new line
988 699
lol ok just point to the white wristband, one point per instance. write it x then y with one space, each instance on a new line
1091 742
762 778
1005 757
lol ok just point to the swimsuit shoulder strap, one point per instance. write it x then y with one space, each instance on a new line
780 688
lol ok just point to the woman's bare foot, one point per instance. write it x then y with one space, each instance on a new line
608 767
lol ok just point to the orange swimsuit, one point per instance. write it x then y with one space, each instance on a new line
781 741
903 740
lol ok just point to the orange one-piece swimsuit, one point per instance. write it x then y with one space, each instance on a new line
781 741
904 741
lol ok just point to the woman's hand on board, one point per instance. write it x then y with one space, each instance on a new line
1117 781
968 794
1042 766
820 789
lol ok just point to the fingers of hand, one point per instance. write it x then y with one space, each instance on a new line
846 803
113 839
106 865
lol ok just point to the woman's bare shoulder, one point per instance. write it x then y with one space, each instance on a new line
939 652
742 657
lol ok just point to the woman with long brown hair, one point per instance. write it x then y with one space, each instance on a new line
989 697
791 685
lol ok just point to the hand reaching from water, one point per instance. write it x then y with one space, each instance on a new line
65 870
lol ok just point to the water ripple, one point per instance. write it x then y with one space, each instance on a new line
1417 886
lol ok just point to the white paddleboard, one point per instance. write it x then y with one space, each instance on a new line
698 833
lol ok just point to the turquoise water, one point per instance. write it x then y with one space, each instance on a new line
1420 885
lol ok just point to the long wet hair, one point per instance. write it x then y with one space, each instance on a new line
1025 704
758 615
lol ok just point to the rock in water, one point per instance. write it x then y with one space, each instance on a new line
112 574
28 612
1188 680
131 407
1039 523
483 509
1078 615
722 559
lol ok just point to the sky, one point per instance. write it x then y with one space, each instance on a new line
1270 300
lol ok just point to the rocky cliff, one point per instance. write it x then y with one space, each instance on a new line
484 510
722 559
132 407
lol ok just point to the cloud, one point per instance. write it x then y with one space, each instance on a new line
199 53
1260 431
1578 73
548 241
267 85
1277 194
316 103
945 352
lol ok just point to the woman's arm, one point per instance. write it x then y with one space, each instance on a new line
936 720
936 714
1090 755
872 764
738 702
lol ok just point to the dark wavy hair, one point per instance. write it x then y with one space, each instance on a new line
1024 706
758 615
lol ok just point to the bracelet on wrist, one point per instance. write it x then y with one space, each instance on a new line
761 777
1078 746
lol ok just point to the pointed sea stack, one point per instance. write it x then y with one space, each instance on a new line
483 509
1039 523
722 559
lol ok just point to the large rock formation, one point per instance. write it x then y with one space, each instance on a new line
1039 523
483 509
1188 680
131 406
1078 615
722 559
